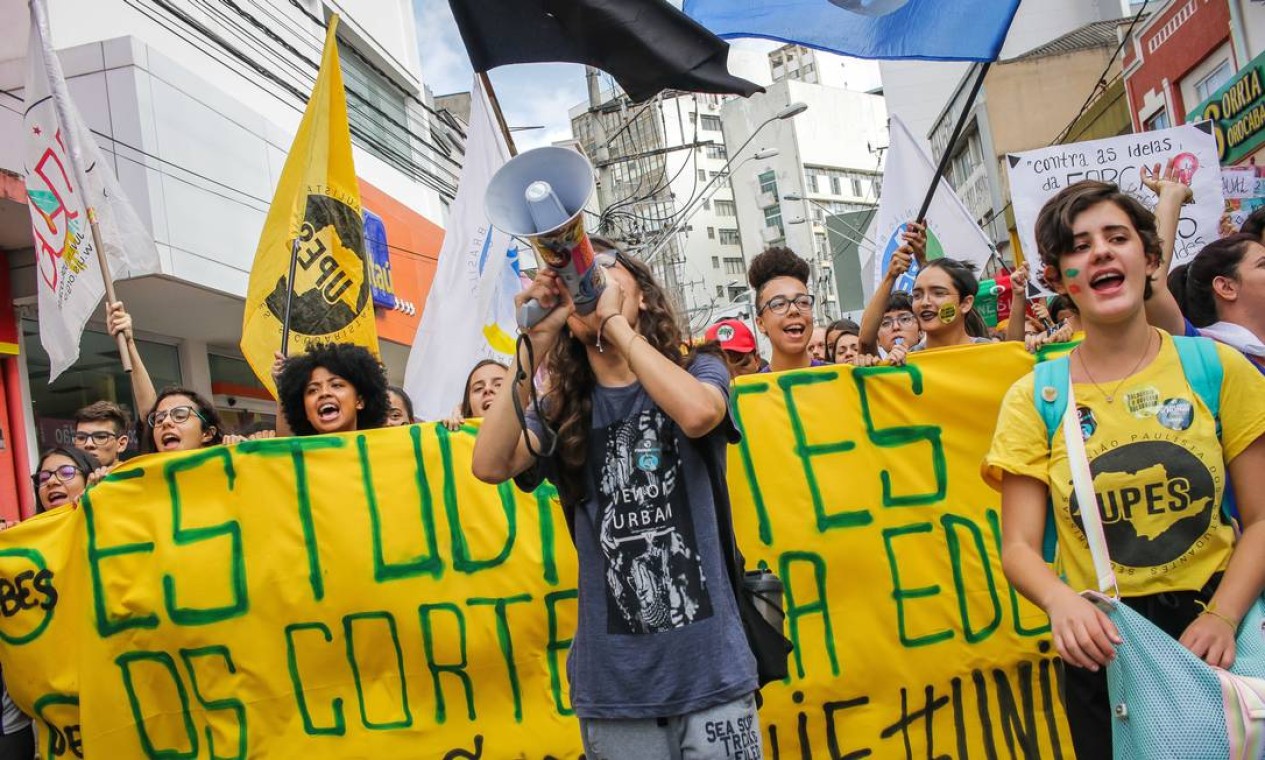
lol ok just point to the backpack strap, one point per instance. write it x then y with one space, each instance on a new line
1049 394
1202 366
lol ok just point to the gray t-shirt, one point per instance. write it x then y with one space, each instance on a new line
658 633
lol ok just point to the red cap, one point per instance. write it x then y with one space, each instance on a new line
732 335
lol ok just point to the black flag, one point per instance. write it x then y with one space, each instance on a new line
647 45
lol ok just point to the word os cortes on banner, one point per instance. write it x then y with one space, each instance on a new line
1037 175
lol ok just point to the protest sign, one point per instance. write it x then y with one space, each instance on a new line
363 596
1038 175
1238 182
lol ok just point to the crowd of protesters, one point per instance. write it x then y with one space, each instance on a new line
619 399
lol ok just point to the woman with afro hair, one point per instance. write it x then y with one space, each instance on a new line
784 307
332 388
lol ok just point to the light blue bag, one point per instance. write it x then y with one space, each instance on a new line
1167 703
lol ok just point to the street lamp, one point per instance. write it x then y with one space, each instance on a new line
789 112
830 212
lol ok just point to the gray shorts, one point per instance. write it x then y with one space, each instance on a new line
725 732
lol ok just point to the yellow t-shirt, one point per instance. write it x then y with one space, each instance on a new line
1159 470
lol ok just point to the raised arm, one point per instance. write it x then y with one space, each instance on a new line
1162 309
500 450
914 245
143 393
1015 328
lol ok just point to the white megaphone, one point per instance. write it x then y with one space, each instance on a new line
539 196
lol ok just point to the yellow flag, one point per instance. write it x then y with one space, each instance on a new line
317 204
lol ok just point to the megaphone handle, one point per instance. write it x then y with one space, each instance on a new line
530 314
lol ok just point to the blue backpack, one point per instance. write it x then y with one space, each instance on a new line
1200 364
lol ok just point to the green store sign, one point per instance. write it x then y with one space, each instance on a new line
1237 112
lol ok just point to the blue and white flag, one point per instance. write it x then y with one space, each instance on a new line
932 30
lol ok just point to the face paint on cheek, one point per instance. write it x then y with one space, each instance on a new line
1070 273
948 313
1074 289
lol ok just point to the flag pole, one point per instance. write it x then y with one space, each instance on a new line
71 137
496 109
947 155
285 322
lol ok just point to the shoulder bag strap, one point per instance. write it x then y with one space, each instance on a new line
1086 498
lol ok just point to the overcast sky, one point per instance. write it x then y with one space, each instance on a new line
535 94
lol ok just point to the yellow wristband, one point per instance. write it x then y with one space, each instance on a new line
1211 609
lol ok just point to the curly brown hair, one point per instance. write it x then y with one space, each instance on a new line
568 403
1054 230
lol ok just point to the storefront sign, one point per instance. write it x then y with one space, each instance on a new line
1237 112
379 261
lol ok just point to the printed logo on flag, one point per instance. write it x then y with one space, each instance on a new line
905 283
329 285
58 216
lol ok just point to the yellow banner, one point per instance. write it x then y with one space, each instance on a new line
364 596
315 218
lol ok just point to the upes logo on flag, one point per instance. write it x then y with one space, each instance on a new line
315 217
330 290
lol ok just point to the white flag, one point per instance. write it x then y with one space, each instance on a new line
951 230
469 314
66 175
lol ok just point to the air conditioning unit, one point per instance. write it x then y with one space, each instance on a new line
767 200
772 234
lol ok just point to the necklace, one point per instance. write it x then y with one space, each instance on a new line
1111 397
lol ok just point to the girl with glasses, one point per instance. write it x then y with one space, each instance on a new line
332 388
784 307
182 420
62 477
889 328
659 653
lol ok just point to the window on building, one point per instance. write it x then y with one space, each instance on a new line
716 151
966 160
1213 81
835 187
714 175
768 182
773 216
856 188
1158 120
702 175
376 112
726 208
812 182
96 376
707 204
734 266
711 233
709 123
729 237
715 262
720 291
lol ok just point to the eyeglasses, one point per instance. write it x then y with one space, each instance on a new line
780 305
904 320
178 415
64 474
99 437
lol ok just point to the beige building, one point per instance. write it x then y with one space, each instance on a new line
1027 102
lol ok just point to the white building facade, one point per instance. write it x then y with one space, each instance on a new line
829 155
197 104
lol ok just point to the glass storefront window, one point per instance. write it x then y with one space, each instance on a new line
97 376
243 403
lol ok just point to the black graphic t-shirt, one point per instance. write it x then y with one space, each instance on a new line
658 631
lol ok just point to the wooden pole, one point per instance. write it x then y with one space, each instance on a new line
496 109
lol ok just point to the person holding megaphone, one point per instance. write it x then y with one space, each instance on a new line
641 429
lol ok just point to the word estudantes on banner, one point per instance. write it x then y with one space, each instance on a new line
363 596
1038 175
